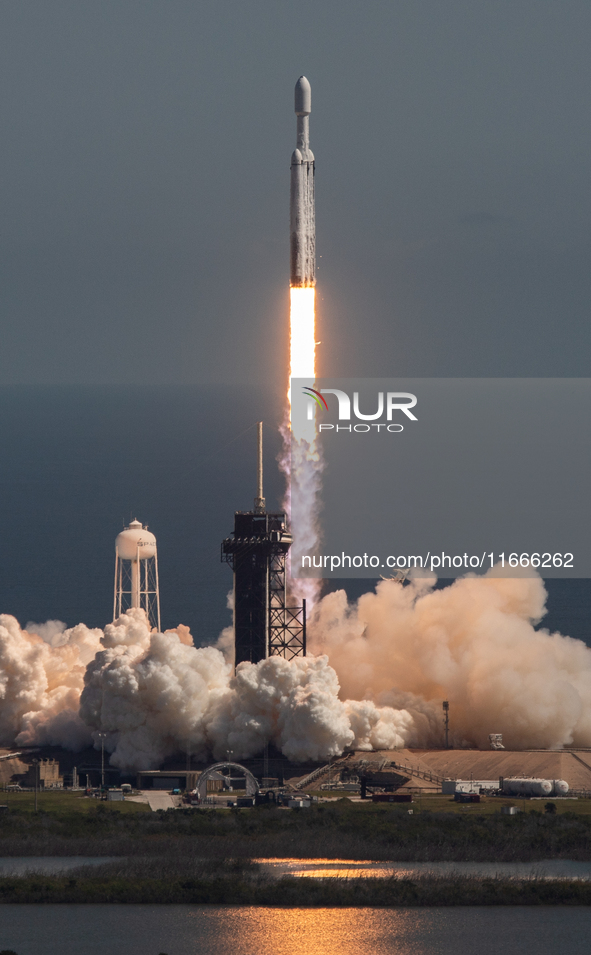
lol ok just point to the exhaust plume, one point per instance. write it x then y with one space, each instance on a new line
41 678
378 674
473 643
154 696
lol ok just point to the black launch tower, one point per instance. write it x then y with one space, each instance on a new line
257 551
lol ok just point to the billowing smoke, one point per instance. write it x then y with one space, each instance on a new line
378 674
150 692
472 643
301 462
155 695
41 677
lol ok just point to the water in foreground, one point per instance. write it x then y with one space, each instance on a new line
235 930
339 869
324 868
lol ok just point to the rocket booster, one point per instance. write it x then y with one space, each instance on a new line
302 216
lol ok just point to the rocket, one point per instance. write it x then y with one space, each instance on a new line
302 216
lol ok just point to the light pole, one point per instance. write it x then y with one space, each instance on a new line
102 737
36 765
446 722
230 753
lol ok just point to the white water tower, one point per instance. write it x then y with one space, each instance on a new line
136 573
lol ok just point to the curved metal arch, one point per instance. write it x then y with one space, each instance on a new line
252 785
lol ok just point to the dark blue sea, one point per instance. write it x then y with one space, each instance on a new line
77 462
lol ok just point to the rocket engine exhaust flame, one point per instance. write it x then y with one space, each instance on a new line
302 344
301 460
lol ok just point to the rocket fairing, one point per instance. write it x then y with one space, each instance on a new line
302 216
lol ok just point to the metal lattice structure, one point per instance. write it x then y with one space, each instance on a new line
257 552
263 623
224 771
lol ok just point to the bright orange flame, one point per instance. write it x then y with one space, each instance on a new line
302 347
302 340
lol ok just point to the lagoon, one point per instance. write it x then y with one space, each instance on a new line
236 930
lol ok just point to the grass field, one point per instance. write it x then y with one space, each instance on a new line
438 829
488 806
62 801
236 889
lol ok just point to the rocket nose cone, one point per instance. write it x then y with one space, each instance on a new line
303 97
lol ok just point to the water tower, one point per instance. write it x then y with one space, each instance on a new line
136 573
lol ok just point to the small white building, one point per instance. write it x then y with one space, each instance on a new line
451 786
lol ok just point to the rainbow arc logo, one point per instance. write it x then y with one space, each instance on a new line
312 393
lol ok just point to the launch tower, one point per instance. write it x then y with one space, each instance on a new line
136 573
257 551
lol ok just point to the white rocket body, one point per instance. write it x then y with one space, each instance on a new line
302 217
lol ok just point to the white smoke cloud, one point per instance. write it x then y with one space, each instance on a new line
51 632
41 681
473 643
154 696
379 727
376 678
302 464
150 692
294 703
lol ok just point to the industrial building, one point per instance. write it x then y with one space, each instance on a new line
47 774
400 771
167 779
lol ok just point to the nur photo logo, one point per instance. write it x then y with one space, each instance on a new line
387 403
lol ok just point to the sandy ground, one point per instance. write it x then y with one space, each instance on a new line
156 799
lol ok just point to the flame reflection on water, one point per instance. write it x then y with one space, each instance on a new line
280 930
356 869
329 868
318 931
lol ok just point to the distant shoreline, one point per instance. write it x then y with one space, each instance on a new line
178 839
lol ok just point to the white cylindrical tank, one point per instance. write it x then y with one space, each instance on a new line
560 787
136 573
521 786
135 543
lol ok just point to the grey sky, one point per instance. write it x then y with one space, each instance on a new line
145 176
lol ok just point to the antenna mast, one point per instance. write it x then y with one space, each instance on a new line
259 501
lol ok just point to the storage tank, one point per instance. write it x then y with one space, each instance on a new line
522 786
560 787
135 542
136 573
